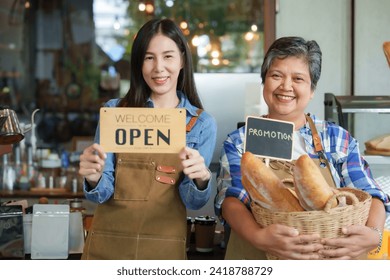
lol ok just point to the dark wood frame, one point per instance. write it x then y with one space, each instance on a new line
269 23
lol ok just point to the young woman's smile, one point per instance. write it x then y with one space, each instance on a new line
161 68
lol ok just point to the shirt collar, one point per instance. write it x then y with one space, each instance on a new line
183 103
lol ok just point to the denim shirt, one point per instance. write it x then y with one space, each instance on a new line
202 137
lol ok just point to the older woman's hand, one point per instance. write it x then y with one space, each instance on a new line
359 240
286 243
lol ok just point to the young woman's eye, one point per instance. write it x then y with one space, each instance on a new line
148 57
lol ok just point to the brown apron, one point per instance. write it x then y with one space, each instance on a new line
239 248
145 218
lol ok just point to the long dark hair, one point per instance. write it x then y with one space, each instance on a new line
139 91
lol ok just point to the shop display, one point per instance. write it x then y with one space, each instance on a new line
11 232
50 231
378 146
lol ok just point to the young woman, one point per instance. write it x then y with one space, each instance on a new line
140 216
290 72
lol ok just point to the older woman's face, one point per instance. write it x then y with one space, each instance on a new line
287 88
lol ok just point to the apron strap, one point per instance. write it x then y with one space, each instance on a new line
318 147
317 142
316 138
193 120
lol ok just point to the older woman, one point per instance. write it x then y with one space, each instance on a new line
290 72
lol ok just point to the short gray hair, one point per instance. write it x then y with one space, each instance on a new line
297 47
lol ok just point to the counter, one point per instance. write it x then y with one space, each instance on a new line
37 194
345 106
54 197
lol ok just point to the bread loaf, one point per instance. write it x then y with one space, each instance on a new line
265 187
386 50
310 185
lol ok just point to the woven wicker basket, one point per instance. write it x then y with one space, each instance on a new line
327 223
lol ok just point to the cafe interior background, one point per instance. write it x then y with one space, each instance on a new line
67 57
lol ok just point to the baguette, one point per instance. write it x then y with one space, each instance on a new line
310 185
254 194
265 187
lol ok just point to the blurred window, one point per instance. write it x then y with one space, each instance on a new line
224 35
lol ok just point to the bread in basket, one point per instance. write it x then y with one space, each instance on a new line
324 209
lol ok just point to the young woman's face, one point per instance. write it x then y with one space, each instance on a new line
287 88
162 65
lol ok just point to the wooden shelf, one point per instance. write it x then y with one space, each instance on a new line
36 194
373 159
9 74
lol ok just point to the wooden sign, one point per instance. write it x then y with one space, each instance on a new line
269 138
142 130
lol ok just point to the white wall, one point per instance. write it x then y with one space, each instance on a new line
372 73
229 97
326 22
329 23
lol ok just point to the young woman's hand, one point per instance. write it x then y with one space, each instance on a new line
194 167
92 162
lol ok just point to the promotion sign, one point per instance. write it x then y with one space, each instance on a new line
142 130
269 138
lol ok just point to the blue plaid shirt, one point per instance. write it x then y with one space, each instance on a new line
348 167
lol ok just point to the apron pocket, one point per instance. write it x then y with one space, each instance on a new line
134 179
157 247
110 246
